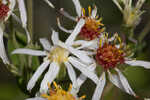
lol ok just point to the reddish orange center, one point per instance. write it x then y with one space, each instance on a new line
91 29
108 56
3 10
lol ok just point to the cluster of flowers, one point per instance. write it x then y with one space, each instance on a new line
87 47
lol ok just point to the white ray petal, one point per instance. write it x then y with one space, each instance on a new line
55 37
88 44
139 63
94 12
2 48
29 52
78 7
125 83
36 98
45 43
80 54
115 80
62 28
66 14
118 5
75 32
99 88
37 74
82 78
23 15
71 73
49 77
80 42
83 69
49 3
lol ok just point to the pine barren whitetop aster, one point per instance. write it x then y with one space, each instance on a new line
6 10
55 56
109 56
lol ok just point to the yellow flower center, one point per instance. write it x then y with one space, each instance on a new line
58 54
59 94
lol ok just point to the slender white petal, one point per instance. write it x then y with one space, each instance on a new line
37 74
125 83
28 34
75 32
49 77
79 42
45 43
139 4
80 54
2 48
82 78
118 5
66 14
99 88
49 3
36 98
62 28
94 12
139 63
23 15
55 37
83 69
88 44
115 80
71 73
78 7
29 52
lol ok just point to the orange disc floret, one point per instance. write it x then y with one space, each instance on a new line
92 28
4 8
59 94
108 56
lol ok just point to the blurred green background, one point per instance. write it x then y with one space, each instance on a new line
44 18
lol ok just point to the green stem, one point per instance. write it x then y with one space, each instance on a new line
144 32
30 17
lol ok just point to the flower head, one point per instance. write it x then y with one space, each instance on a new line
108 55
59 94
131 15
93 26
56 55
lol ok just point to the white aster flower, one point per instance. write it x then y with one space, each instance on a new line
90 31
109 56
58 94
131 15
55 56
